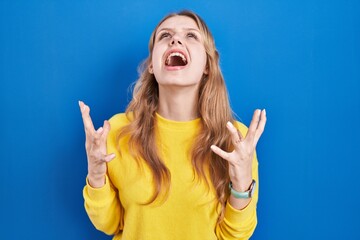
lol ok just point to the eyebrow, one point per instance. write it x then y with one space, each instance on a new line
172 29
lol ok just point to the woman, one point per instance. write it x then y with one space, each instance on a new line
176 165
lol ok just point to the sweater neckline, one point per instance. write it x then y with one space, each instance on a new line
176 125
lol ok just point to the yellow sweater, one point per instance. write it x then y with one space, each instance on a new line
189 213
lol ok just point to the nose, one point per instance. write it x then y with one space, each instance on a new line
175 40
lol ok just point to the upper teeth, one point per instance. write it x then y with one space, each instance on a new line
176 54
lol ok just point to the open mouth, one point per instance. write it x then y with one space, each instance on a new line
175 59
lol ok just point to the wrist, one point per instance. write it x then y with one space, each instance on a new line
96 181
244 194
243 184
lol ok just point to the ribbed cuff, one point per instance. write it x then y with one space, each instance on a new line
235 215
98 194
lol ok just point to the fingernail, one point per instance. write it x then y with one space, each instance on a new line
81 105
264 111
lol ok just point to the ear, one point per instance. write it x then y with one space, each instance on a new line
206 70
150 69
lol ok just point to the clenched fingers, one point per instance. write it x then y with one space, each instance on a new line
105 132
100 136
99 157
109 157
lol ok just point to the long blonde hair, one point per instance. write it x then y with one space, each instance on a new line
214 111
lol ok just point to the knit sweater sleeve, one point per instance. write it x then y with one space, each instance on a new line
240 224
103 205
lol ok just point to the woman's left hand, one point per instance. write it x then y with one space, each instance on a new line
240 159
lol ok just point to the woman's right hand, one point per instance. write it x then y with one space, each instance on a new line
95 145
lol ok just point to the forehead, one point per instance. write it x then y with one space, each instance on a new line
178 22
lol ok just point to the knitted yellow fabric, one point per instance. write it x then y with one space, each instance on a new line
189 211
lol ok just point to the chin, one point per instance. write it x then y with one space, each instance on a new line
178 82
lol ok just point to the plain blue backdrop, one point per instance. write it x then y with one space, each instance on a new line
298 59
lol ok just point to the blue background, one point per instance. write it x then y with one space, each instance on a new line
298 59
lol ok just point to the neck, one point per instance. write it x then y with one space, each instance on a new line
178 103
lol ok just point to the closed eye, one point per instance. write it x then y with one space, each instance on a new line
192 35
164 35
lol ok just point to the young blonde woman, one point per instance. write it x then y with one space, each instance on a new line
176 165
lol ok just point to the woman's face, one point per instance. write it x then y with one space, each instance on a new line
178 57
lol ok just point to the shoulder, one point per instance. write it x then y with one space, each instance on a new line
119 120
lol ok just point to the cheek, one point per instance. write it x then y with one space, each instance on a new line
203 58
156 60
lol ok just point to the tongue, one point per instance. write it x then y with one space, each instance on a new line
176 61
